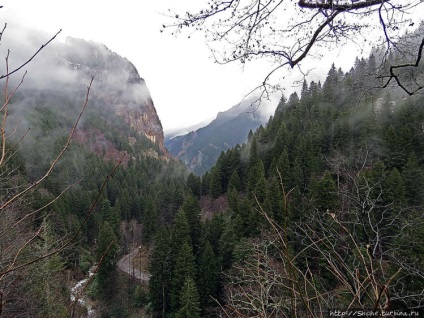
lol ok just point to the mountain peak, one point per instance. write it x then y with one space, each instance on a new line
200 149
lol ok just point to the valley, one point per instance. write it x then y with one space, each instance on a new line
289 208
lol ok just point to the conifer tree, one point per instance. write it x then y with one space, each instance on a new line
233 200
283 166
150 219
189 301
215 187
208 276
413 177
253 153
235 182
192 210
323 192
206 183
394 189
161 264
107 249
48 281
227 242
184 267
194 184
180 230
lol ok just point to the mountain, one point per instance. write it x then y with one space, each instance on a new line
65 201
200 149
121 87
59 76
179 131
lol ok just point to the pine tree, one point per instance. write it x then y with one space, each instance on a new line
305 91
235 182
184 267
227 242
330 84
180 230
150 219
260 186
283 166
107 249
189 301
253 153
48 281
215 187
161 264
323 192
394 189
125 204
208 276
194 184
413 178
192 210
233 200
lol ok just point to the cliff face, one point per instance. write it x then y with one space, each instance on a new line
117 85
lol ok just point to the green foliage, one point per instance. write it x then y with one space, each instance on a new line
48 279
107 252
338 160
215 186
192 210
208 280
184 267
180 230
190 306
194 184
161 265
150 219
323 193
413 178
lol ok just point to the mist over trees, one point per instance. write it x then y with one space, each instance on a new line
321 209
323 212
73 172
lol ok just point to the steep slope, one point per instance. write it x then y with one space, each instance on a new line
121 87
200 149
58 77
74 211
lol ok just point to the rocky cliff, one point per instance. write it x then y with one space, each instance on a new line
117 84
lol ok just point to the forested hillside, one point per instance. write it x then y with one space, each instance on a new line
325 211
321 208
78 164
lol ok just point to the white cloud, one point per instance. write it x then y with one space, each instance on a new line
185 84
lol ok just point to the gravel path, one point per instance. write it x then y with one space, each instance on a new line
125 265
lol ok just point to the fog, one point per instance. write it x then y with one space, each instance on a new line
69 66
54 88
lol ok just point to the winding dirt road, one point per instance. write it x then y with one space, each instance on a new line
126 264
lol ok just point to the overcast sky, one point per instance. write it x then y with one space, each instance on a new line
187 87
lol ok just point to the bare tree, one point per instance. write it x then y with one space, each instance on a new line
287 32
307 269
22 227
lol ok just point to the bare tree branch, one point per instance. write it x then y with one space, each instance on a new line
286 33
59 156
31 58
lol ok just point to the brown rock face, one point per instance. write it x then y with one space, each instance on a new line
144 120
117 85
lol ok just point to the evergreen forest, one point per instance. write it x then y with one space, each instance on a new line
321 209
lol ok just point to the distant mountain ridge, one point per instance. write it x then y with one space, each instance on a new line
200 149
